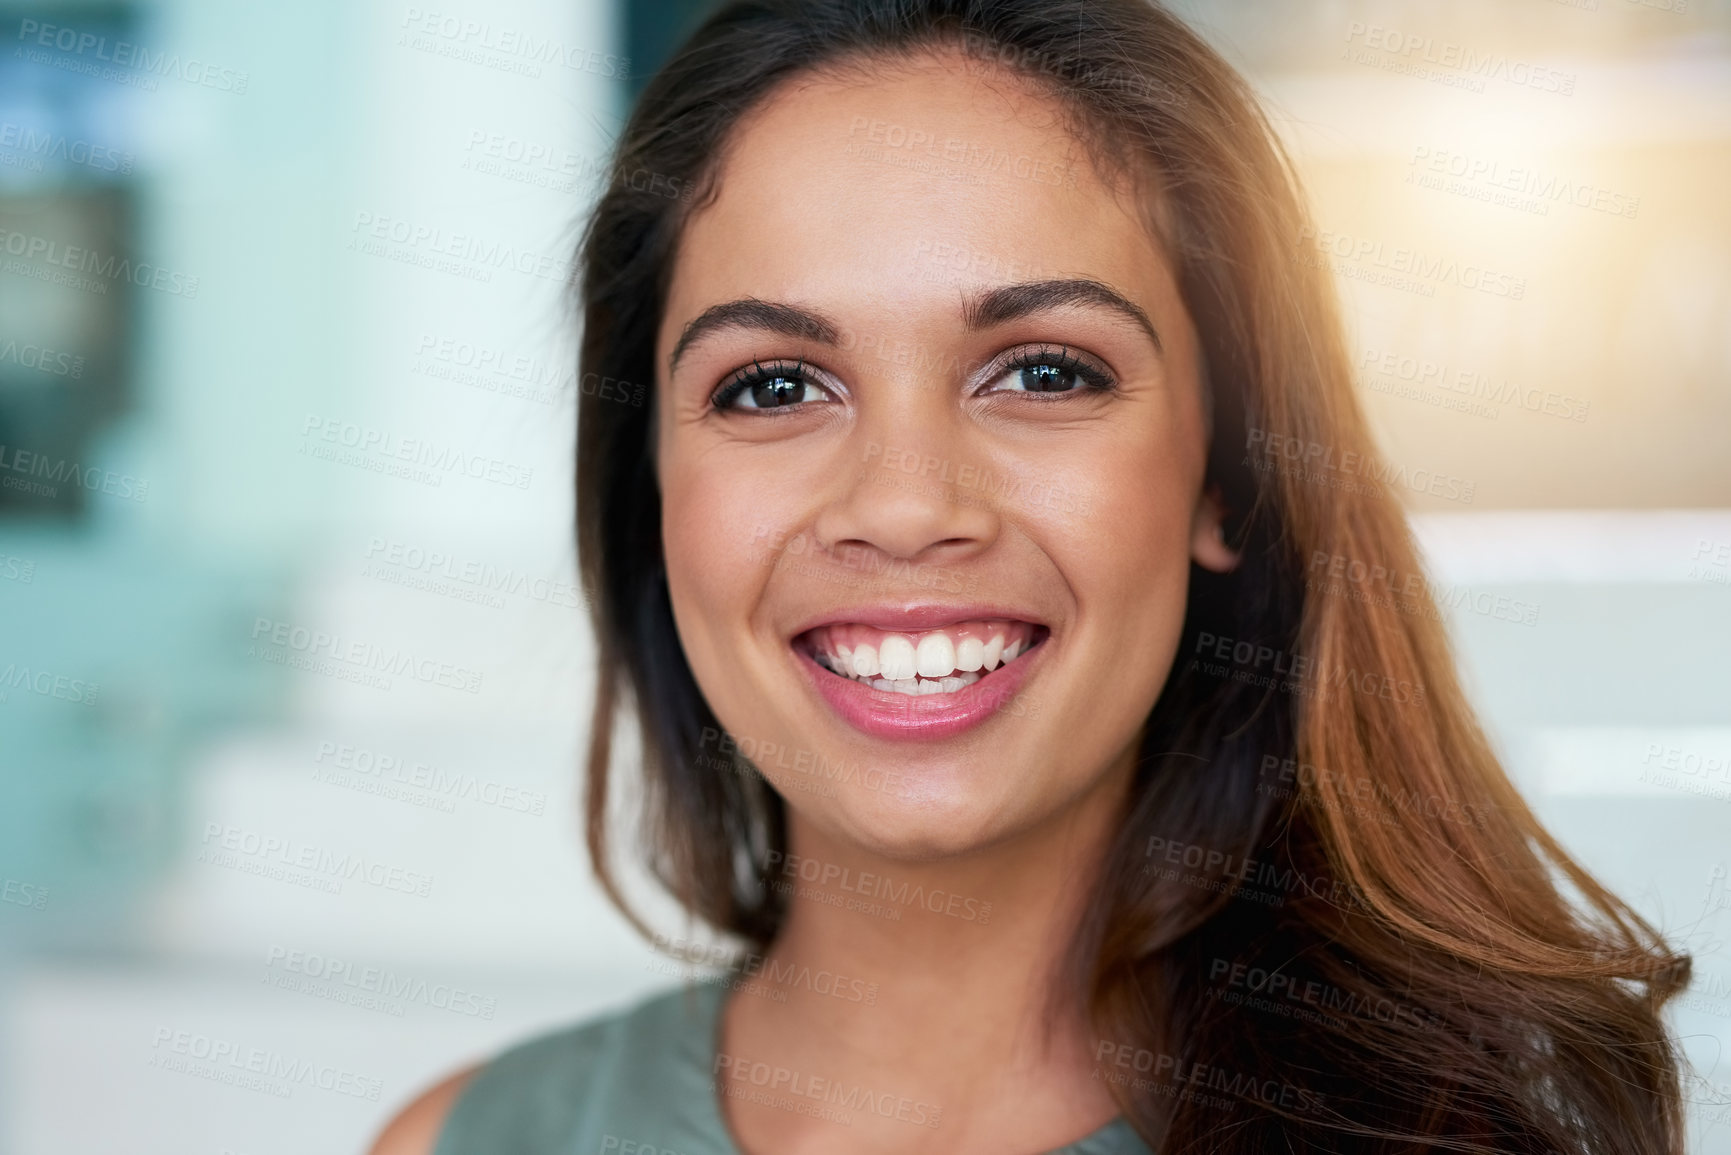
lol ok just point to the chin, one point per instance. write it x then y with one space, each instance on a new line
938 814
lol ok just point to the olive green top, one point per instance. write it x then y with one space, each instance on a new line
640 1082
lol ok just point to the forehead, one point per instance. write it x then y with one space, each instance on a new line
894 185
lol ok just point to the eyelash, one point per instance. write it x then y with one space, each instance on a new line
756 374
1092 375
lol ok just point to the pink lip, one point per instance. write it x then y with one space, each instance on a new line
927 717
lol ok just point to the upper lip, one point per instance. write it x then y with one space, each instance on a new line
913 617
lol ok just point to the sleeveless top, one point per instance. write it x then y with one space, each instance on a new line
637 1082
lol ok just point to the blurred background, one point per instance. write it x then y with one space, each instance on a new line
290 718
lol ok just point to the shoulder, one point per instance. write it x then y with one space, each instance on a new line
540 1090
415 1130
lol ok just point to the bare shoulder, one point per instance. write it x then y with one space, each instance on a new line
415 1130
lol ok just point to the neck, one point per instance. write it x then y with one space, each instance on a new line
950 979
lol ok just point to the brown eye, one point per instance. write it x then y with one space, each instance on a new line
1047 379
1049 370
769 387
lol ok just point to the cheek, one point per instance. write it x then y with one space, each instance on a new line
1143 523
724 527
709 541
1127 556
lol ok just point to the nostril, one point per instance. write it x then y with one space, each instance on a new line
892 517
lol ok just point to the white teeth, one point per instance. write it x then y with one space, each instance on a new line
896 658
917 687
865 661
941 661
936 656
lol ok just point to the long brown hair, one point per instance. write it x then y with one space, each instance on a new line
1329 922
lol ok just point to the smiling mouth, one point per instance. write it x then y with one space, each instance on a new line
934 661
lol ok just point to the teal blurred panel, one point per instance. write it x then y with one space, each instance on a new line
139 537
118 658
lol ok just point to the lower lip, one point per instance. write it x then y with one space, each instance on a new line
921 717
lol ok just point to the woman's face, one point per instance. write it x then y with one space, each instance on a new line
930 448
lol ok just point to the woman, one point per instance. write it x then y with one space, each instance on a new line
1022 647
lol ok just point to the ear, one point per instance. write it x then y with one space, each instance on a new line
1208 533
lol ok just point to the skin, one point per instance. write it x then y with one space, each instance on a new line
1018 810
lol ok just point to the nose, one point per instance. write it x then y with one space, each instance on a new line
918 497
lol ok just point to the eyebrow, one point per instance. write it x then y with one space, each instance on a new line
982 311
